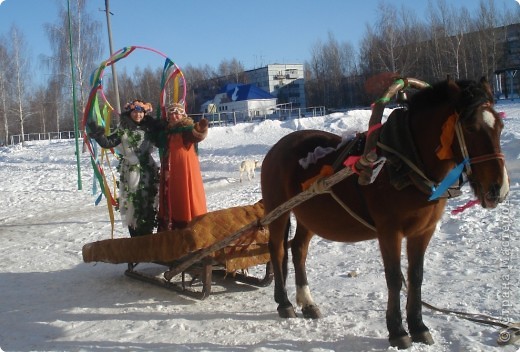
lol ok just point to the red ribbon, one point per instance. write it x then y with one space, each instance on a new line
465 206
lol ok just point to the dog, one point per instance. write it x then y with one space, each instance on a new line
248 167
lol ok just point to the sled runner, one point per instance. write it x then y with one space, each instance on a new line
226 242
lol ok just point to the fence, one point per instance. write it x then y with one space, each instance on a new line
216 119
282 113
17 138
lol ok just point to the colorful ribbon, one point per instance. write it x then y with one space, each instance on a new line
98 110
449 180
465 206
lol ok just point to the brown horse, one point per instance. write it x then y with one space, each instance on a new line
462 113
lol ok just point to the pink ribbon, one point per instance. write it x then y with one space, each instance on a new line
465 206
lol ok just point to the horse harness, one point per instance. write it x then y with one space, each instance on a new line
463 146
403 163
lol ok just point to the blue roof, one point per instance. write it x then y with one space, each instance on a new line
239 92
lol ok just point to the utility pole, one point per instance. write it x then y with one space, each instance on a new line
114 75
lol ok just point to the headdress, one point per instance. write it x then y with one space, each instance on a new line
177 108
139 106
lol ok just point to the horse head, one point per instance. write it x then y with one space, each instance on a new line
477 129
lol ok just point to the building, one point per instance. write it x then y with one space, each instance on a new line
506 84
240 102
284 81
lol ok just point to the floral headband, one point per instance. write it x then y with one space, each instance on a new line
139 106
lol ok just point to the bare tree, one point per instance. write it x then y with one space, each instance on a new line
331 70
487 23
141 84
232 69
367 59
128 89
349 68
202 83
315 80
4 94
54 102
328 72
389 46
461 26
86 49
150 84
447 35
39 107
326 64
20 67
390 38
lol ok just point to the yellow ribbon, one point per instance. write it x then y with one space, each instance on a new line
109 195
176 89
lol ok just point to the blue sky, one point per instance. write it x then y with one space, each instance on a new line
200 32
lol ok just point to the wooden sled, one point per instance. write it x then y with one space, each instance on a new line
225 242
202 271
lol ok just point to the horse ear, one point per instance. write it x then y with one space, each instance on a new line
487 87
453 89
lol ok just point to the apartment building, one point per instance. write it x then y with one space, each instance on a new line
284 81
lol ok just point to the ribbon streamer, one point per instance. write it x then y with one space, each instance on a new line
449 180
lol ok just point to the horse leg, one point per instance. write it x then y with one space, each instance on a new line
299 247
278 248
416 247
390 244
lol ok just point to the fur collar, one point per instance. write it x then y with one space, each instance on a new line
183 122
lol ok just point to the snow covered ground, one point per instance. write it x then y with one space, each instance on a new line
51 301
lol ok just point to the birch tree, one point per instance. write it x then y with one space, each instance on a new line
20 70
4 94
86 48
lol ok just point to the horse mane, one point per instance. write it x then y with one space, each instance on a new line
463 95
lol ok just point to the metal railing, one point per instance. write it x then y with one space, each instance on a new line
235 117
215 119
17 138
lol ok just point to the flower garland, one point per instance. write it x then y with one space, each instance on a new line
144 197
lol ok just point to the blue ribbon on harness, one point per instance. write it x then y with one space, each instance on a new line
449 180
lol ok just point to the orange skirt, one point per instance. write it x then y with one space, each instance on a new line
182 195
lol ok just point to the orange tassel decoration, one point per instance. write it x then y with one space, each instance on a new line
448 132
326 170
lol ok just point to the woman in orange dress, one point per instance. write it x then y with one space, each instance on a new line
181 192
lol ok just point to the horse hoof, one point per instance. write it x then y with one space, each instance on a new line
287 312
423 337
311 312
401 342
